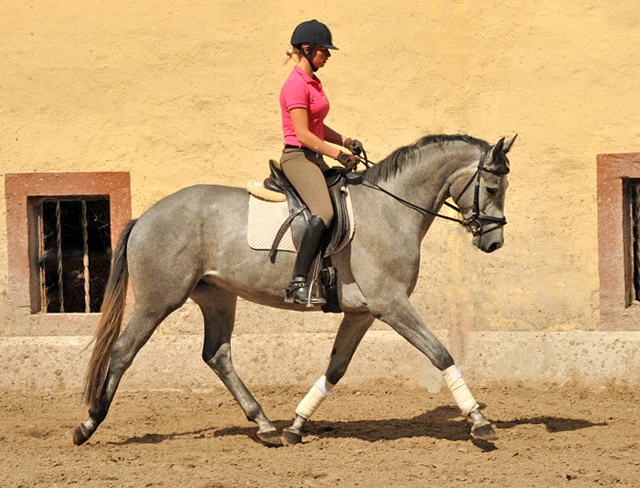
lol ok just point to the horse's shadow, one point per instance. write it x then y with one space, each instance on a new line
552 424
159 438
442 423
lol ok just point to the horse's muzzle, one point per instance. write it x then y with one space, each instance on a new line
490 240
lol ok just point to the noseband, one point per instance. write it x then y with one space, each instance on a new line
475 223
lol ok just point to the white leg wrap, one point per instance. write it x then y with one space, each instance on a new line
314 398
460 390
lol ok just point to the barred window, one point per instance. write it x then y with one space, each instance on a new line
60 228
633 191
72 240
618 181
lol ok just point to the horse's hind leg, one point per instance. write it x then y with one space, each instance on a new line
136 334
219 308
352 330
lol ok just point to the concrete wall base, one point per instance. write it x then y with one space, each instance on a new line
167 361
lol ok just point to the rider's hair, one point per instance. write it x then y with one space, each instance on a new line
293 53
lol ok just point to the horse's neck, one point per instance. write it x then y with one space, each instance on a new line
428 183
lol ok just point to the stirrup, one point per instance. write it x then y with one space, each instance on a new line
301 293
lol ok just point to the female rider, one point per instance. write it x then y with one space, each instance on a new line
304 107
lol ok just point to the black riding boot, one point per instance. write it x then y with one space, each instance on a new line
299 290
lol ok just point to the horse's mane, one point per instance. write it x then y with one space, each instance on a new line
403 156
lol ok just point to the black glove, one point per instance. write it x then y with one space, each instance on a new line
349 161
353 145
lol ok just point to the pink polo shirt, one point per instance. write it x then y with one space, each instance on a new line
302 91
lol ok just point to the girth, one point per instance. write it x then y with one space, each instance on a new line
299 214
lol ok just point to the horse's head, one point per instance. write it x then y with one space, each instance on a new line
480 194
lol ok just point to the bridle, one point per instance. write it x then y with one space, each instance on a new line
475 223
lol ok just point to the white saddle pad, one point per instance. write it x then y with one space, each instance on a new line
266 218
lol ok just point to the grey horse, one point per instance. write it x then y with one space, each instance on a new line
193 244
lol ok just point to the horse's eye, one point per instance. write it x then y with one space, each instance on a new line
492 191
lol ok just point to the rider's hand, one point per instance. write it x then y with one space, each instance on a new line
349 161
353 145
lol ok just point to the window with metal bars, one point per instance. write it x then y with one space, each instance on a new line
618 186
633 187
72 245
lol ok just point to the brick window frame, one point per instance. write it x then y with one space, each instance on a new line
618 310
19 187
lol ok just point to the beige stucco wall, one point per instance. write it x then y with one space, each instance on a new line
181 92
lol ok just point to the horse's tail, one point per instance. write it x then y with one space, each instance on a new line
110 322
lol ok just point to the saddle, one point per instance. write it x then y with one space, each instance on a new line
276 188
340 230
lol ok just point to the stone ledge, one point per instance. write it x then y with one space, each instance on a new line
558 357
58 363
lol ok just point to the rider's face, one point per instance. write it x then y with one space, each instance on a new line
320 55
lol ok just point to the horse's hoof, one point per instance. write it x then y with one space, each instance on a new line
484 432
291 436
270 437
80 435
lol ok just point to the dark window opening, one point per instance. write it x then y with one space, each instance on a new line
634 199
72 249
618 181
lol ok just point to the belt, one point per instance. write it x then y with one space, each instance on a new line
304 148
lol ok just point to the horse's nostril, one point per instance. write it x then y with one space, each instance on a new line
494 247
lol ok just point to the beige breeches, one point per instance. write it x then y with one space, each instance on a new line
304 170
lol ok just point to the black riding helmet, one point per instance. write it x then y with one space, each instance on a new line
313 33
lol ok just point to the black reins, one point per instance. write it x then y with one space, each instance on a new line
474 223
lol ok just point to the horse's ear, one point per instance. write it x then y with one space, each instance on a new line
507 145
494 152
495 157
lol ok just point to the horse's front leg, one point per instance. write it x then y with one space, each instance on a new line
402 317
352 329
